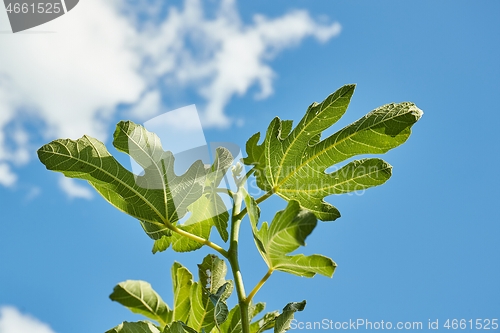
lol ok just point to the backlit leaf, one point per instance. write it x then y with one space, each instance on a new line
212 288
137 327
292 162
182 280
283 321
139 297
157 197
286 233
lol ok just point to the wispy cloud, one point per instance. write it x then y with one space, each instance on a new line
101 61
13 321
221 56
7 177
73 189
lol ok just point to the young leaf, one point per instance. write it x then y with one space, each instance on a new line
178 327
202 310
182 280
212 272
265 323
221 310
208 211
283 321
88 159
137 327
139 297
287 232
210 207
233 321
292 163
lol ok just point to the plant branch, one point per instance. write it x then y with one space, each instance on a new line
225 191
234 262
259 285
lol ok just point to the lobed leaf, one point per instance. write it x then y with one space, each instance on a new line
158 197
292 162
287 232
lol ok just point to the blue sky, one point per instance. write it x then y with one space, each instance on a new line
422 247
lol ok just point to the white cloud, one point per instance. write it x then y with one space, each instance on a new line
72 79
73 189
7 177
222 56
13 321
75 79
33 193
148 106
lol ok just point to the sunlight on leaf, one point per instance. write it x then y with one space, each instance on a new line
158 197
139 297
292 162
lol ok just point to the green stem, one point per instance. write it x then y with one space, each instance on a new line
257 201
264 197
249 173
259 285
234 263
199 240
225 191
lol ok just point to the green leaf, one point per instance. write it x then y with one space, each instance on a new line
212 272
212 289
210 208
292 162
201 315
265 323
253 214
88 159
287 232
233 321
182 281
221 310
161 244
283 321
255 309
157 197
139 297
178 327
137 327
208 211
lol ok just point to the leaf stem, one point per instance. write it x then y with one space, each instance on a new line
199 240
234 263
225 191
257 201
249 173
259 285
264 197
